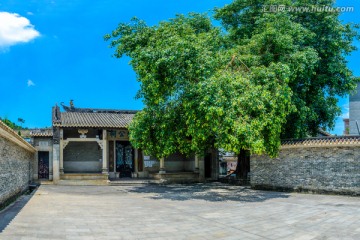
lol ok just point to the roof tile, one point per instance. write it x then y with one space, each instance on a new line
96 119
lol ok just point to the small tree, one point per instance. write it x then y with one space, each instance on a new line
21 121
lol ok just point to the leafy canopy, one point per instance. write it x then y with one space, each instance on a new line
265 77
317 46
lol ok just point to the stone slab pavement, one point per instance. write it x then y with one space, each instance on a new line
8 214
198 211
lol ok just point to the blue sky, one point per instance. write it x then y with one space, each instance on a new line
57 53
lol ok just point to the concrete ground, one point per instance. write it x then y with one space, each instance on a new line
199 211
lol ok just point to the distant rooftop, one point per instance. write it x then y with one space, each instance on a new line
324 133
47 132
36 132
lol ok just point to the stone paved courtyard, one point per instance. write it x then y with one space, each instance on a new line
200 211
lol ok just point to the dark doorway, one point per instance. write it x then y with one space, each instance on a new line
124 159
208 164
43 165
244 166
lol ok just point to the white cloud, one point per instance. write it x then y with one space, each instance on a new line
30 83
30 13
15 29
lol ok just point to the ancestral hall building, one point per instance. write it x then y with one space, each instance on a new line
93 144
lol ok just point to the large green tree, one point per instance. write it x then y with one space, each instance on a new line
198 93
318 36
268 75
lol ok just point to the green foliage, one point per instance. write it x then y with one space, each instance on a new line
11 124
170 60
269 75
314 45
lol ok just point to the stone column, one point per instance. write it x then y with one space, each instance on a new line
56 168
114 158
61 151
50 165
162 166
104 153
196 163
36 165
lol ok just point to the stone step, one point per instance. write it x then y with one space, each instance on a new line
84 176
130 182
44 182
177 177
98 182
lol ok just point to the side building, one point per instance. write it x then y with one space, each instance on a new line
85 143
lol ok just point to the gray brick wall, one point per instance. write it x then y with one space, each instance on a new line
179 163
315 169
16 169
82 157
41 140
174 163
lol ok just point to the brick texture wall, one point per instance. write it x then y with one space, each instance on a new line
82 157
16 169
173 163
314 169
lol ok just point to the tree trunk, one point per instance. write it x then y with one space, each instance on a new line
243 165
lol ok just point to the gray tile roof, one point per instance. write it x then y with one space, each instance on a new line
95 119
47 133
324 133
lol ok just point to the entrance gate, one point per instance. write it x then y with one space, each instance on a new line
124 159
43 165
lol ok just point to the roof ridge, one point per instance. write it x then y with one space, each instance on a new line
101 110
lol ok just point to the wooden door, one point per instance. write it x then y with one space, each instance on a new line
43 165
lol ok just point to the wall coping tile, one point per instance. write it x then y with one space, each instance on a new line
9 134
333 141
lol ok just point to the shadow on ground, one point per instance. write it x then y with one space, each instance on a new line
10 212
212 192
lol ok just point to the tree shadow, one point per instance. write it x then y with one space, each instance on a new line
212 192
